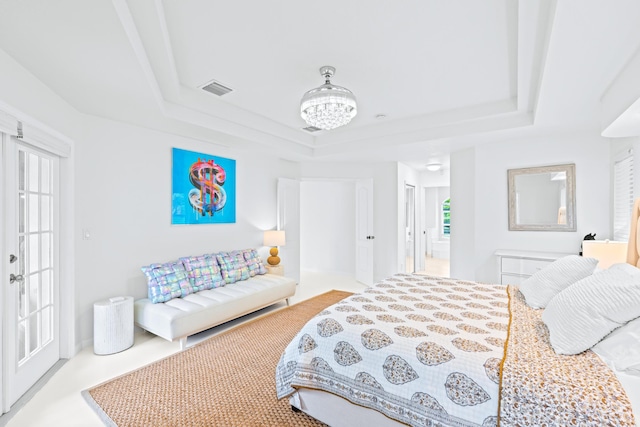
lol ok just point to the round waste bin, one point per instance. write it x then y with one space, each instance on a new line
112 325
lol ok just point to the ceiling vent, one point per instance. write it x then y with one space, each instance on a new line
216 88
311 129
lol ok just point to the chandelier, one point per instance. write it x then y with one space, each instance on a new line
328 106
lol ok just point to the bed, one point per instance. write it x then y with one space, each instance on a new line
429 351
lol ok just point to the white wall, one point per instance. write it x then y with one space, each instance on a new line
124 199
385 212
328 226
479 181
463 222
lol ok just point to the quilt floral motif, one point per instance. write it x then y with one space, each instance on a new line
422 350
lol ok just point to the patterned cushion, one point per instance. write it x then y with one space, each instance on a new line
203 272
167 281
233 266
254 262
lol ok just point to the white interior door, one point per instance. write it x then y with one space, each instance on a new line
31 344
364 231
289 221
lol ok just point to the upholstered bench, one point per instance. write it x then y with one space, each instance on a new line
217 293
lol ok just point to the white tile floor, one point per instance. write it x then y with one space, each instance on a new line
59 403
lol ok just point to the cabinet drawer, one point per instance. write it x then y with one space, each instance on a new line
522 266
512 279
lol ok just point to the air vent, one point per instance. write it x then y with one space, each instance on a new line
216 88
311 129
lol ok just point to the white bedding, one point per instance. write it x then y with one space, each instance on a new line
413 348
354 362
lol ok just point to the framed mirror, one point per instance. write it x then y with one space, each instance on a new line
542 198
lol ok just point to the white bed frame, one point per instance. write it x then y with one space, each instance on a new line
336 411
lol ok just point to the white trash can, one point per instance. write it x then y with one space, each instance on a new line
112 325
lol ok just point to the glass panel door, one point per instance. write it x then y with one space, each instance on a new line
32 345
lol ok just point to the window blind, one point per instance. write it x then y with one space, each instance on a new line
622 197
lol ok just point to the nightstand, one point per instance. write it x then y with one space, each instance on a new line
275 269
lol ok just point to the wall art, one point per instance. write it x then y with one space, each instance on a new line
203 188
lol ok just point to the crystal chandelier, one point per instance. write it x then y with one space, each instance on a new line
328 106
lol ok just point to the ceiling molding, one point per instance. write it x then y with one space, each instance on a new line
530 21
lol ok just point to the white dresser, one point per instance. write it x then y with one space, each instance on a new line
515 266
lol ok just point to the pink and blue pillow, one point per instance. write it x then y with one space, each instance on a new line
254 262
167 281
233 266
203 272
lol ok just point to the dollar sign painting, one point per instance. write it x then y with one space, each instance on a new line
203 188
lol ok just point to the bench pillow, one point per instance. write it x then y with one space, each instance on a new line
254 262
233 266
203 272
167 281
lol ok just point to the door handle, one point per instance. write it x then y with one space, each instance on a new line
12 258
14 278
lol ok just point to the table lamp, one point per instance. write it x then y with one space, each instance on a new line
605 251
274 238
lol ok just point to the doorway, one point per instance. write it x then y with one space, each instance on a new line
437 219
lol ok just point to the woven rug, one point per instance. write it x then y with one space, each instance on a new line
227 380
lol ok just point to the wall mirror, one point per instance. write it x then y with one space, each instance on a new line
542 198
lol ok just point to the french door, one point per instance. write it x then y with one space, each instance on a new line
31 343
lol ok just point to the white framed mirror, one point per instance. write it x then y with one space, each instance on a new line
542 198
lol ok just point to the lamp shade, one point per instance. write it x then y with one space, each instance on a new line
605 251
274 238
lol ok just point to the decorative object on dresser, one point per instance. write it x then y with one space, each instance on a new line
607 252
274 238
590 236
515 266
542 198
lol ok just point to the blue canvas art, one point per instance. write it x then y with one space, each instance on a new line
203 188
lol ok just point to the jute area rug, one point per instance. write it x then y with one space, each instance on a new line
227 380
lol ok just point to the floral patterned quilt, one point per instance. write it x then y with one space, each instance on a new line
418 349
428 351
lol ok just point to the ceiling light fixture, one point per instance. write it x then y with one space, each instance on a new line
328 106
433 167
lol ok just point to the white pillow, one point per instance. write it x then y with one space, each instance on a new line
621 348
548 282
591 308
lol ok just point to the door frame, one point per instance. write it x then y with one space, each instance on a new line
355 182
416 264
34 133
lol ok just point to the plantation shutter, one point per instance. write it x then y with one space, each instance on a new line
622 197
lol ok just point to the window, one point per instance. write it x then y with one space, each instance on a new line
446 218
622 196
